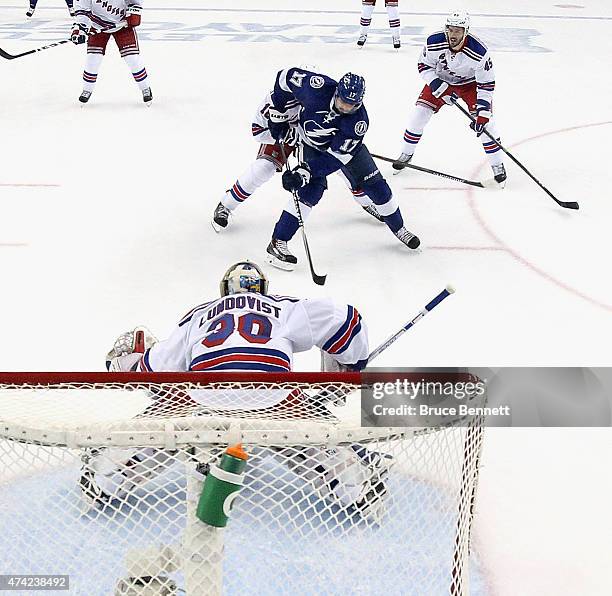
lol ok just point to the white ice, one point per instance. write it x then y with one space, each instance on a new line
106 209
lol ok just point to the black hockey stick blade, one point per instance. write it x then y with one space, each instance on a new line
434 172
8 56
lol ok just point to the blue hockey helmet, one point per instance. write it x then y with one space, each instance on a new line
350 92
244 276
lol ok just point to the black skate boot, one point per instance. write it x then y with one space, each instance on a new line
373 212
84 97
401 162
279 255
147 96
220 218
30 12
396 42
499 174
408 238
361 41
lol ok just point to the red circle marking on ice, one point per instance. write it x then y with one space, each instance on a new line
514 253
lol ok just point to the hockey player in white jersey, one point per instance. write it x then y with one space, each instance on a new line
247 329
454 61
366 19
96 22
278 141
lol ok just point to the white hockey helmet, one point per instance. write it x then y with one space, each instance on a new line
458 18
244 276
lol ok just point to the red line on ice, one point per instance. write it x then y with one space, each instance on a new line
514 253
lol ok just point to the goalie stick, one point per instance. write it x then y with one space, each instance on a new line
5 54
565 204
445 293
485 184
318 279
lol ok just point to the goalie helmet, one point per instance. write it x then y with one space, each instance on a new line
244 276
459 18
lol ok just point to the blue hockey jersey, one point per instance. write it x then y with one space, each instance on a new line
337 136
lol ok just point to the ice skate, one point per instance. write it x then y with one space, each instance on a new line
371 209
30 12
499 175
396 42
220 218
401 162
279 255
84 97
147 96
362 39
408 238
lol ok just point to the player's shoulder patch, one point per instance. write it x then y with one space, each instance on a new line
361 127
317 81
474 48
437 41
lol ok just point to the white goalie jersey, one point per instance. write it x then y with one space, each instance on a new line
109 15
256 332
472 63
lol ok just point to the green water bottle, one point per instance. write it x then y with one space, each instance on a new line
221 487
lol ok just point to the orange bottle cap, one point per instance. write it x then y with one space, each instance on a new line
237 451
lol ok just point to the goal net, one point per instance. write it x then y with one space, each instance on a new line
101 476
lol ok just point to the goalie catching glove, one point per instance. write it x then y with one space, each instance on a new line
128 349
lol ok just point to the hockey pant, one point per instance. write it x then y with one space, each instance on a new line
361 173
351 478
392 12
127 42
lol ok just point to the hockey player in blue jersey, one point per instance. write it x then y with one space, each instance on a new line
332 124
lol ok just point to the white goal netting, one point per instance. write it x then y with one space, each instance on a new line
100 476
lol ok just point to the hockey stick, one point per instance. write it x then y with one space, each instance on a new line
8 56
566 204
318 279
435 173
430 306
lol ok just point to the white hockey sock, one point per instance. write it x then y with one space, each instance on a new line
258 173
414 130
494 153
90 74
366 16
394 18
139 72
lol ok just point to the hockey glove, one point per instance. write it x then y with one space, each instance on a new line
296 178
79 34
133 15
438 88
483 115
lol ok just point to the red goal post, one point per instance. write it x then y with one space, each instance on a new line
300 517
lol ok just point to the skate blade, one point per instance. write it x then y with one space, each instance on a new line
272 260
492 183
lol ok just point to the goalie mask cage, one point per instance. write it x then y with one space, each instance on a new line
101 475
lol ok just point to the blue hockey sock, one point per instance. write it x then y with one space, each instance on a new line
286 227
395 221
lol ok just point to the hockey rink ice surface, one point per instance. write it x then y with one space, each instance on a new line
105 221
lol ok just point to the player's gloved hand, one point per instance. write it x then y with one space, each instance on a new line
279 130
133 15
296 178
78 34
135 342
438 88
279 116
483 115
450 98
